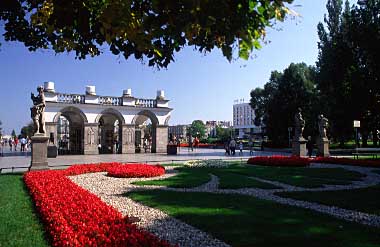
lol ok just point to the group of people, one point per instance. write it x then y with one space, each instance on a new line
230 147
193 143
13 143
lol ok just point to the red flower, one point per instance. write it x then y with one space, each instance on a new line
72 216
291 161
136 171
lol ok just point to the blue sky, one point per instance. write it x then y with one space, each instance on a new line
199 86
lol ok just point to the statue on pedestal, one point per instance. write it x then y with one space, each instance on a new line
299 125
38 111
323 123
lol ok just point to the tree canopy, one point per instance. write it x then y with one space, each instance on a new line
198 129
150 30
277 103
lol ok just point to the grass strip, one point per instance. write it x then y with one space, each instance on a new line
247 221
364 200
19 226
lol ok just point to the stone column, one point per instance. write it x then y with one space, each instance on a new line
161 138
90 138
299 147
39 152
323 147
128 139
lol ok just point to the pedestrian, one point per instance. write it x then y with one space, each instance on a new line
10 142
227 147
233 146
250 145
23 143
100 148
196 143
15 143
191 143
241 148
309 146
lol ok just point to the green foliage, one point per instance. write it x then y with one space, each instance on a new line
27 131
223 134
277 103
148 30
13 134
197 128
349 68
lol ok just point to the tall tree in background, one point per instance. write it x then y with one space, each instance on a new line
197 128
13 133
348 67
149 30
278 102
334 67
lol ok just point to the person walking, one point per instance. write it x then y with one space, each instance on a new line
233 146
10 142
15 143
227 147
250 145
241 148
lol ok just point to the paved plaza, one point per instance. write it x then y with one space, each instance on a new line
20 163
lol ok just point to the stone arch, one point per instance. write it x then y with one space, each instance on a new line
70 131
167 121
70 109
110 111
148 114
110 131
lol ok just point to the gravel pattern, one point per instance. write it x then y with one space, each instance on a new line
176 232
110 190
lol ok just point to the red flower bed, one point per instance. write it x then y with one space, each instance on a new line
136 171
289 161
72 216
347 161
89 168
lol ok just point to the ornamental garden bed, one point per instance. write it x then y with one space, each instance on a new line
72 216
287 161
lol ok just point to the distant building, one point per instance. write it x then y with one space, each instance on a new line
243 120
179 131
211 127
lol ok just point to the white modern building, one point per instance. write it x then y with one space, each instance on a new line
243 120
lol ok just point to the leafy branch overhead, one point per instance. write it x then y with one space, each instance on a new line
147 29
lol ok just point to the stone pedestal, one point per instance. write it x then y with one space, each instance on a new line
39 152
161 138
299 147
323 148
128 139
91 138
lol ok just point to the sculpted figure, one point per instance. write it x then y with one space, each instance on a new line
299 124
38 111
323 123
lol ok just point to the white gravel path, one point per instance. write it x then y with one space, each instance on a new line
177 232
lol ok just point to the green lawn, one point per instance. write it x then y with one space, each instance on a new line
19 224
365 200
247 221
187 178
238 176
299 176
